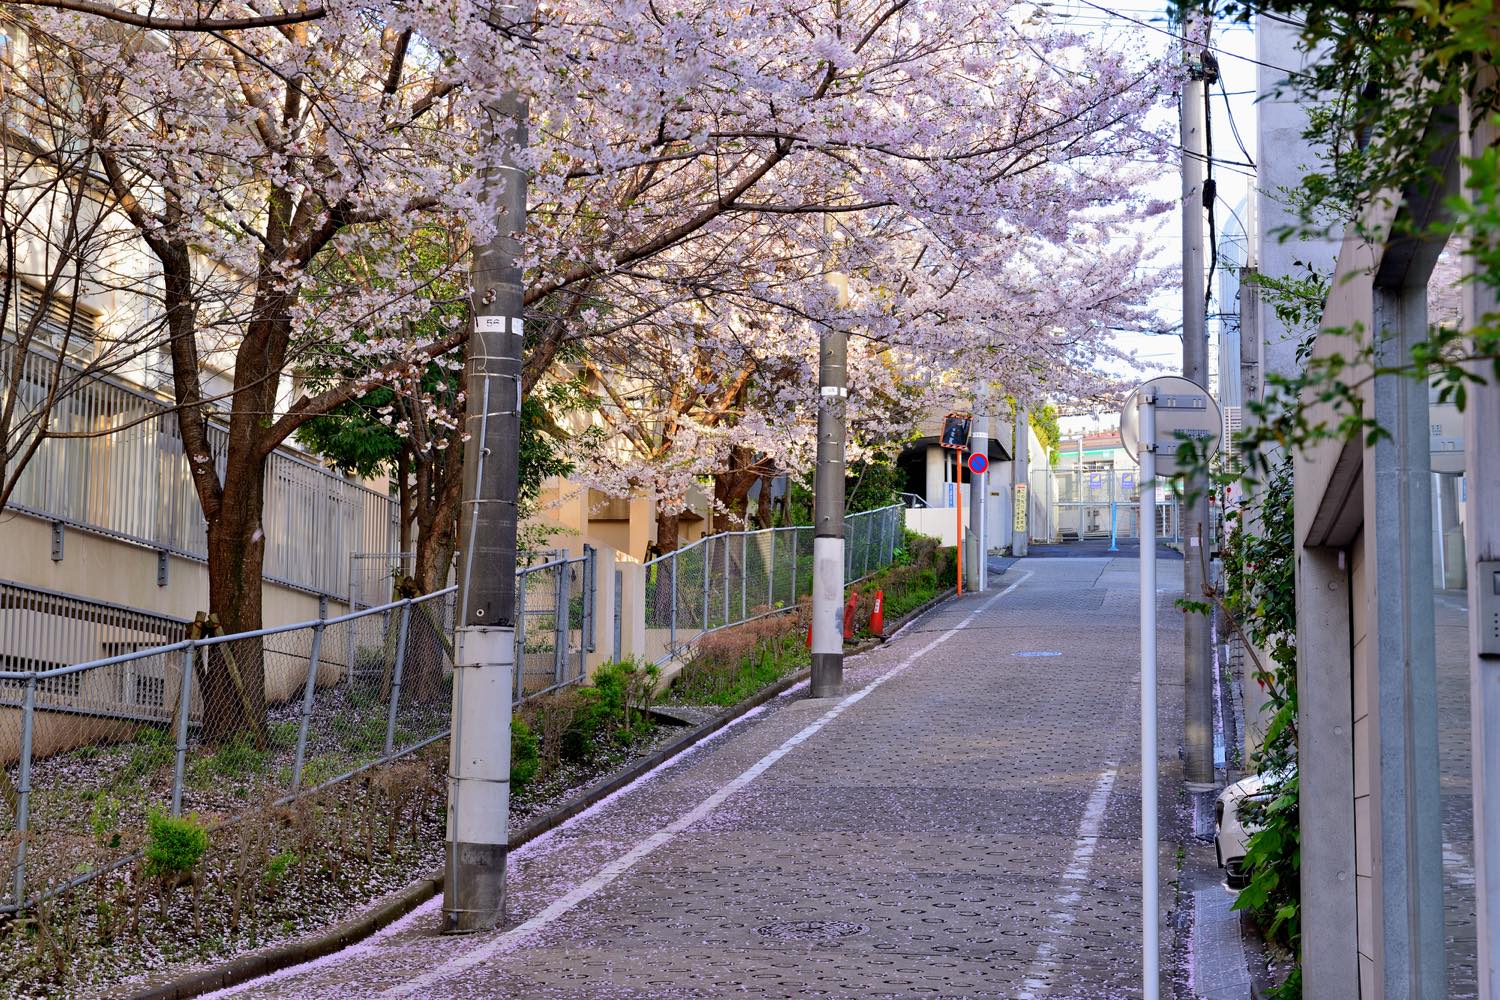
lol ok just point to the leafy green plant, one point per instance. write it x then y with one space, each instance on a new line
236 758
152 750
1259 602
104 820
525 755
174 844
278 866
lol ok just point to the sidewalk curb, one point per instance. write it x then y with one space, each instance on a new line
245 968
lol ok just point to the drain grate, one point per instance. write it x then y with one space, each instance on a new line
811 930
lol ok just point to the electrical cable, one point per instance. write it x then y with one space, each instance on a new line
1173 34
1210 195
1234 128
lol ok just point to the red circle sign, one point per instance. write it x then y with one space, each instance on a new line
978 463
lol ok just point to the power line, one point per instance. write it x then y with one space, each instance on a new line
1229 110
1172 34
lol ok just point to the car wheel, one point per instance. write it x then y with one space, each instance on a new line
1235 876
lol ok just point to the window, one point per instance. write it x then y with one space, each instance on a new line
52 315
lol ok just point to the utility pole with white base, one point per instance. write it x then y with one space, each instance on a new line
484 652
828 503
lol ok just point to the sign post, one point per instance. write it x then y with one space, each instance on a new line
958 495
1150 905
1178 410
956 438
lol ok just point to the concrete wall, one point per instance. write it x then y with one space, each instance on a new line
104 569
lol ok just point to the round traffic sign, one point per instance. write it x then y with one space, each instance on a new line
1184 411
978 463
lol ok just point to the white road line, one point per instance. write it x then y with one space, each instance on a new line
1043 965
560 907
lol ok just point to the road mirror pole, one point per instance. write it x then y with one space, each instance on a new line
1150 905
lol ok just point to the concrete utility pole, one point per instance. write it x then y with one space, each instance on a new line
828 502
1020 535
484 657
977 578
1198 696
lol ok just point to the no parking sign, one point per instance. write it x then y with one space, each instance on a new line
978 463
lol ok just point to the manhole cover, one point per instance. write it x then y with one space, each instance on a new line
811 930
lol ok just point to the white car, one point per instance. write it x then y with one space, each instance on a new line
1232 831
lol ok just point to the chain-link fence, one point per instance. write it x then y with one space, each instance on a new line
225 727
736 576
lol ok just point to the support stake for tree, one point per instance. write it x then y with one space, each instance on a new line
396 670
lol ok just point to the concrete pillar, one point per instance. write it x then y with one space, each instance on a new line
936 463
1482 531
1330 952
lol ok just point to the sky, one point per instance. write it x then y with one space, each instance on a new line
1143 26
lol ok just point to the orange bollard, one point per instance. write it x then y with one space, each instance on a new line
849 607
877 616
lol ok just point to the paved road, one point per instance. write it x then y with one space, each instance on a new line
961 823
1451 622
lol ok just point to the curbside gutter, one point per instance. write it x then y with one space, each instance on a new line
247 967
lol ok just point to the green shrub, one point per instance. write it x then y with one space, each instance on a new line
278 866
614 706
174 844
525 755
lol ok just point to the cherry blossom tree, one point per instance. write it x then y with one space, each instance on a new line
966 166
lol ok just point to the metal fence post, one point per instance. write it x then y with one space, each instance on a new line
707 572
727 577
521 580
396 669
771 572
23 791
672 630
794 567
562 619
744 577
307 706
590 596
184 702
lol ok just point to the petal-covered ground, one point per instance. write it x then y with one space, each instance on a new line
962 822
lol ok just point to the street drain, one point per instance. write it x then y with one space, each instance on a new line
811 930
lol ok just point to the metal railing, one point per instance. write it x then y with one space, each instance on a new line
82 765
1099 503
134 482
737 576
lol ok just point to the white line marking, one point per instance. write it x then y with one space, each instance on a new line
1043 965
621 865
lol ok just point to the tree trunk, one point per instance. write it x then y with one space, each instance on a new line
763 502
667 527
661 577
732 489
234 687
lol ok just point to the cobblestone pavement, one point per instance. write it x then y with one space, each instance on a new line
1451 621
962 823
